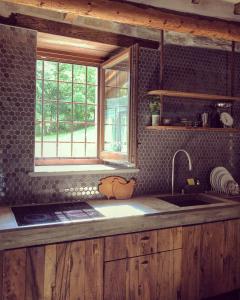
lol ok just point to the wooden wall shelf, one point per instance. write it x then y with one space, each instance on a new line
197 129
193 96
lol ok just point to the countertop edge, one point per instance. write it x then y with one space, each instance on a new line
13 238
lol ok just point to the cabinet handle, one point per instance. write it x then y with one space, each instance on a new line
145 238
145 262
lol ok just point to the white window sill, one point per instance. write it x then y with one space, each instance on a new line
41 171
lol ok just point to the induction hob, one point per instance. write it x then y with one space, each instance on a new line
54 213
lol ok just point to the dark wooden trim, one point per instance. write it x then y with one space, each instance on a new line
73 31
115 59
237 9
233 68
161 59
140 15
66 161
133 104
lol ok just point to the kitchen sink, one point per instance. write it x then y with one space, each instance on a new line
189 199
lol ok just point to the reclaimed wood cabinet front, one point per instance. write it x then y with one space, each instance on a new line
156 277
211 255
143 266
64 271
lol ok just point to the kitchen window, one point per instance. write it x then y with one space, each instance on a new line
84 113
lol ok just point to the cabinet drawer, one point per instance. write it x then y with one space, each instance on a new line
169 239
130 245
143 243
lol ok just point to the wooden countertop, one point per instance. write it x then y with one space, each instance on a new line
154 214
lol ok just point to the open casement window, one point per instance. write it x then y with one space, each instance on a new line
85 111
118 120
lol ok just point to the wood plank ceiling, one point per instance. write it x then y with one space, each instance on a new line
77 47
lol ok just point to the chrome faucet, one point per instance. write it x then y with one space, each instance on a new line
173 165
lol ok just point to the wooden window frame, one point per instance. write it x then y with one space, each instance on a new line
102 155
131 156
62 57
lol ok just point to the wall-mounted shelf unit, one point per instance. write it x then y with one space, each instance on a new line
197 129
193 96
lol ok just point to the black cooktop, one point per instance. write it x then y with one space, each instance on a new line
54 213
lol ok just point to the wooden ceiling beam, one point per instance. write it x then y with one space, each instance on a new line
74 31
237 9
140 15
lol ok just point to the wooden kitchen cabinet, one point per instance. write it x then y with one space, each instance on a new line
142 243
211 255
155 276
64 271
143 265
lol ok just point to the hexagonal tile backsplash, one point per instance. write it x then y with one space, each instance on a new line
200 70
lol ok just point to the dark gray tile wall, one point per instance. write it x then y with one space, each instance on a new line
187 69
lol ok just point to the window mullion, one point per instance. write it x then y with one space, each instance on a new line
72 116
57 142
85 114
42 107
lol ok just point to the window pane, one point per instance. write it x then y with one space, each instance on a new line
122 79
124 93
109 115
64 149
38 150
108 146
92 94
50 90
91 113
38 132
110 95
50 111
64 132
65 111
79 93
65 72
39 68
91 150
91 133
65 91
49 132
39 89
78 150
108 133
92 75
50 70
78 133
49 149
60 123
38 111
79 73
111 78
79 112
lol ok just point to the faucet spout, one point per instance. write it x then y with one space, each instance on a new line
173 165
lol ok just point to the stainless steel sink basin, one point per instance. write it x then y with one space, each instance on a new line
189 199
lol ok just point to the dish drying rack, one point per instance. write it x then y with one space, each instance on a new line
222 182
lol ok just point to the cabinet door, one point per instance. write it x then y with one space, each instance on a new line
64 271
155 277
219 258
211 256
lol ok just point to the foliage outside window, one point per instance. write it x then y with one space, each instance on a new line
66 110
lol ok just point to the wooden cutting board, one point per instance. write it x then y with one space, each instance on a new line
116 187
